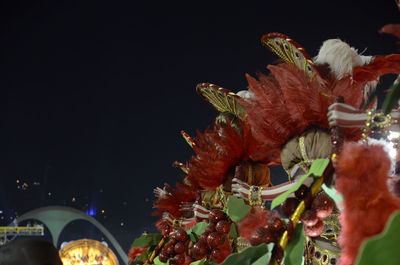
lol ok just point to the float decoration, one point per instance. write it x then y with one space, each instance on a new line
301 116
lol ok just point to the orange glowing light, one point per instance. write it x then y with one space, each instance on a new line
87 252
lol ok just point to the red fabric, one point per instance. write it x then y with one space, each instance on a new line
361 177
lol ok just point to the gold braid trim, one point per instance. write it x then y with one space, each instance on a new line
306 161
303 164
315 253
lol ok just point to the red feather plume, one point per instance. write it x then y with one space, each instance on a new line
254 219
361 177
285 104
351 87
172 200
217 151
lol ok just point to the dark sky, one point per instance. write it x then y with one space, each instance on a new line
96 93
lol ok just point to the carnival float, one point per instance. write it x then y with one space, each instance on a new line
318 119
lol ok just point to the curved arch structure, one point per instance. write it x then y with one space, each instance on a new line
57 217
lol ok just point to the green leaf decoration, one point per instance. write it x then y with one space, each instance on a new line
250 256
391 98
318 167
281 198
236 208
198 228
336 196
263 260
233 232
193 237
147 240
144 256
295 248
195 231
316 170
198 262
157 261
383 248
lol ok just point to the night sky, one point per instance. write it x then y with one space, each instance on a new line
95 93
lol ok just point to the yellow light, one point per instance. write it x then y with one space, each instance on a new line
17 180
87 252
102 211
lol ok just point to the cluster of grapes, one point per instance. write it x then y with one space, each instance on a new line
271 233
211 242
316 209
175 248
320 208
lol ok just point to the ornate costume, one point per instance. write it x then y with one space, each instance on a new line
298 117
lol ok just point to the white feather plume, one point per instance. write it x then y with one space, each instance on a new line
340 57
160 193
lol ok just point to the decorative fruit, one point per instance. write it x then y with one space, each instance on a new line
323 205
180 235
215 215
172 241
276 225
179 259
203 237
210 228
169 249
289 206
223 227
200 249
163 257
314 230
301 192
214 239
179 247
262 235
309 218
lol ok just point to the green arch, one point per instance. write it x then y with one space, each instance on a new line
57 217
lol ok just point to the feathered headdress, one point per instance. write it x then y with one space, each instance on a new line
296 94
217 151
